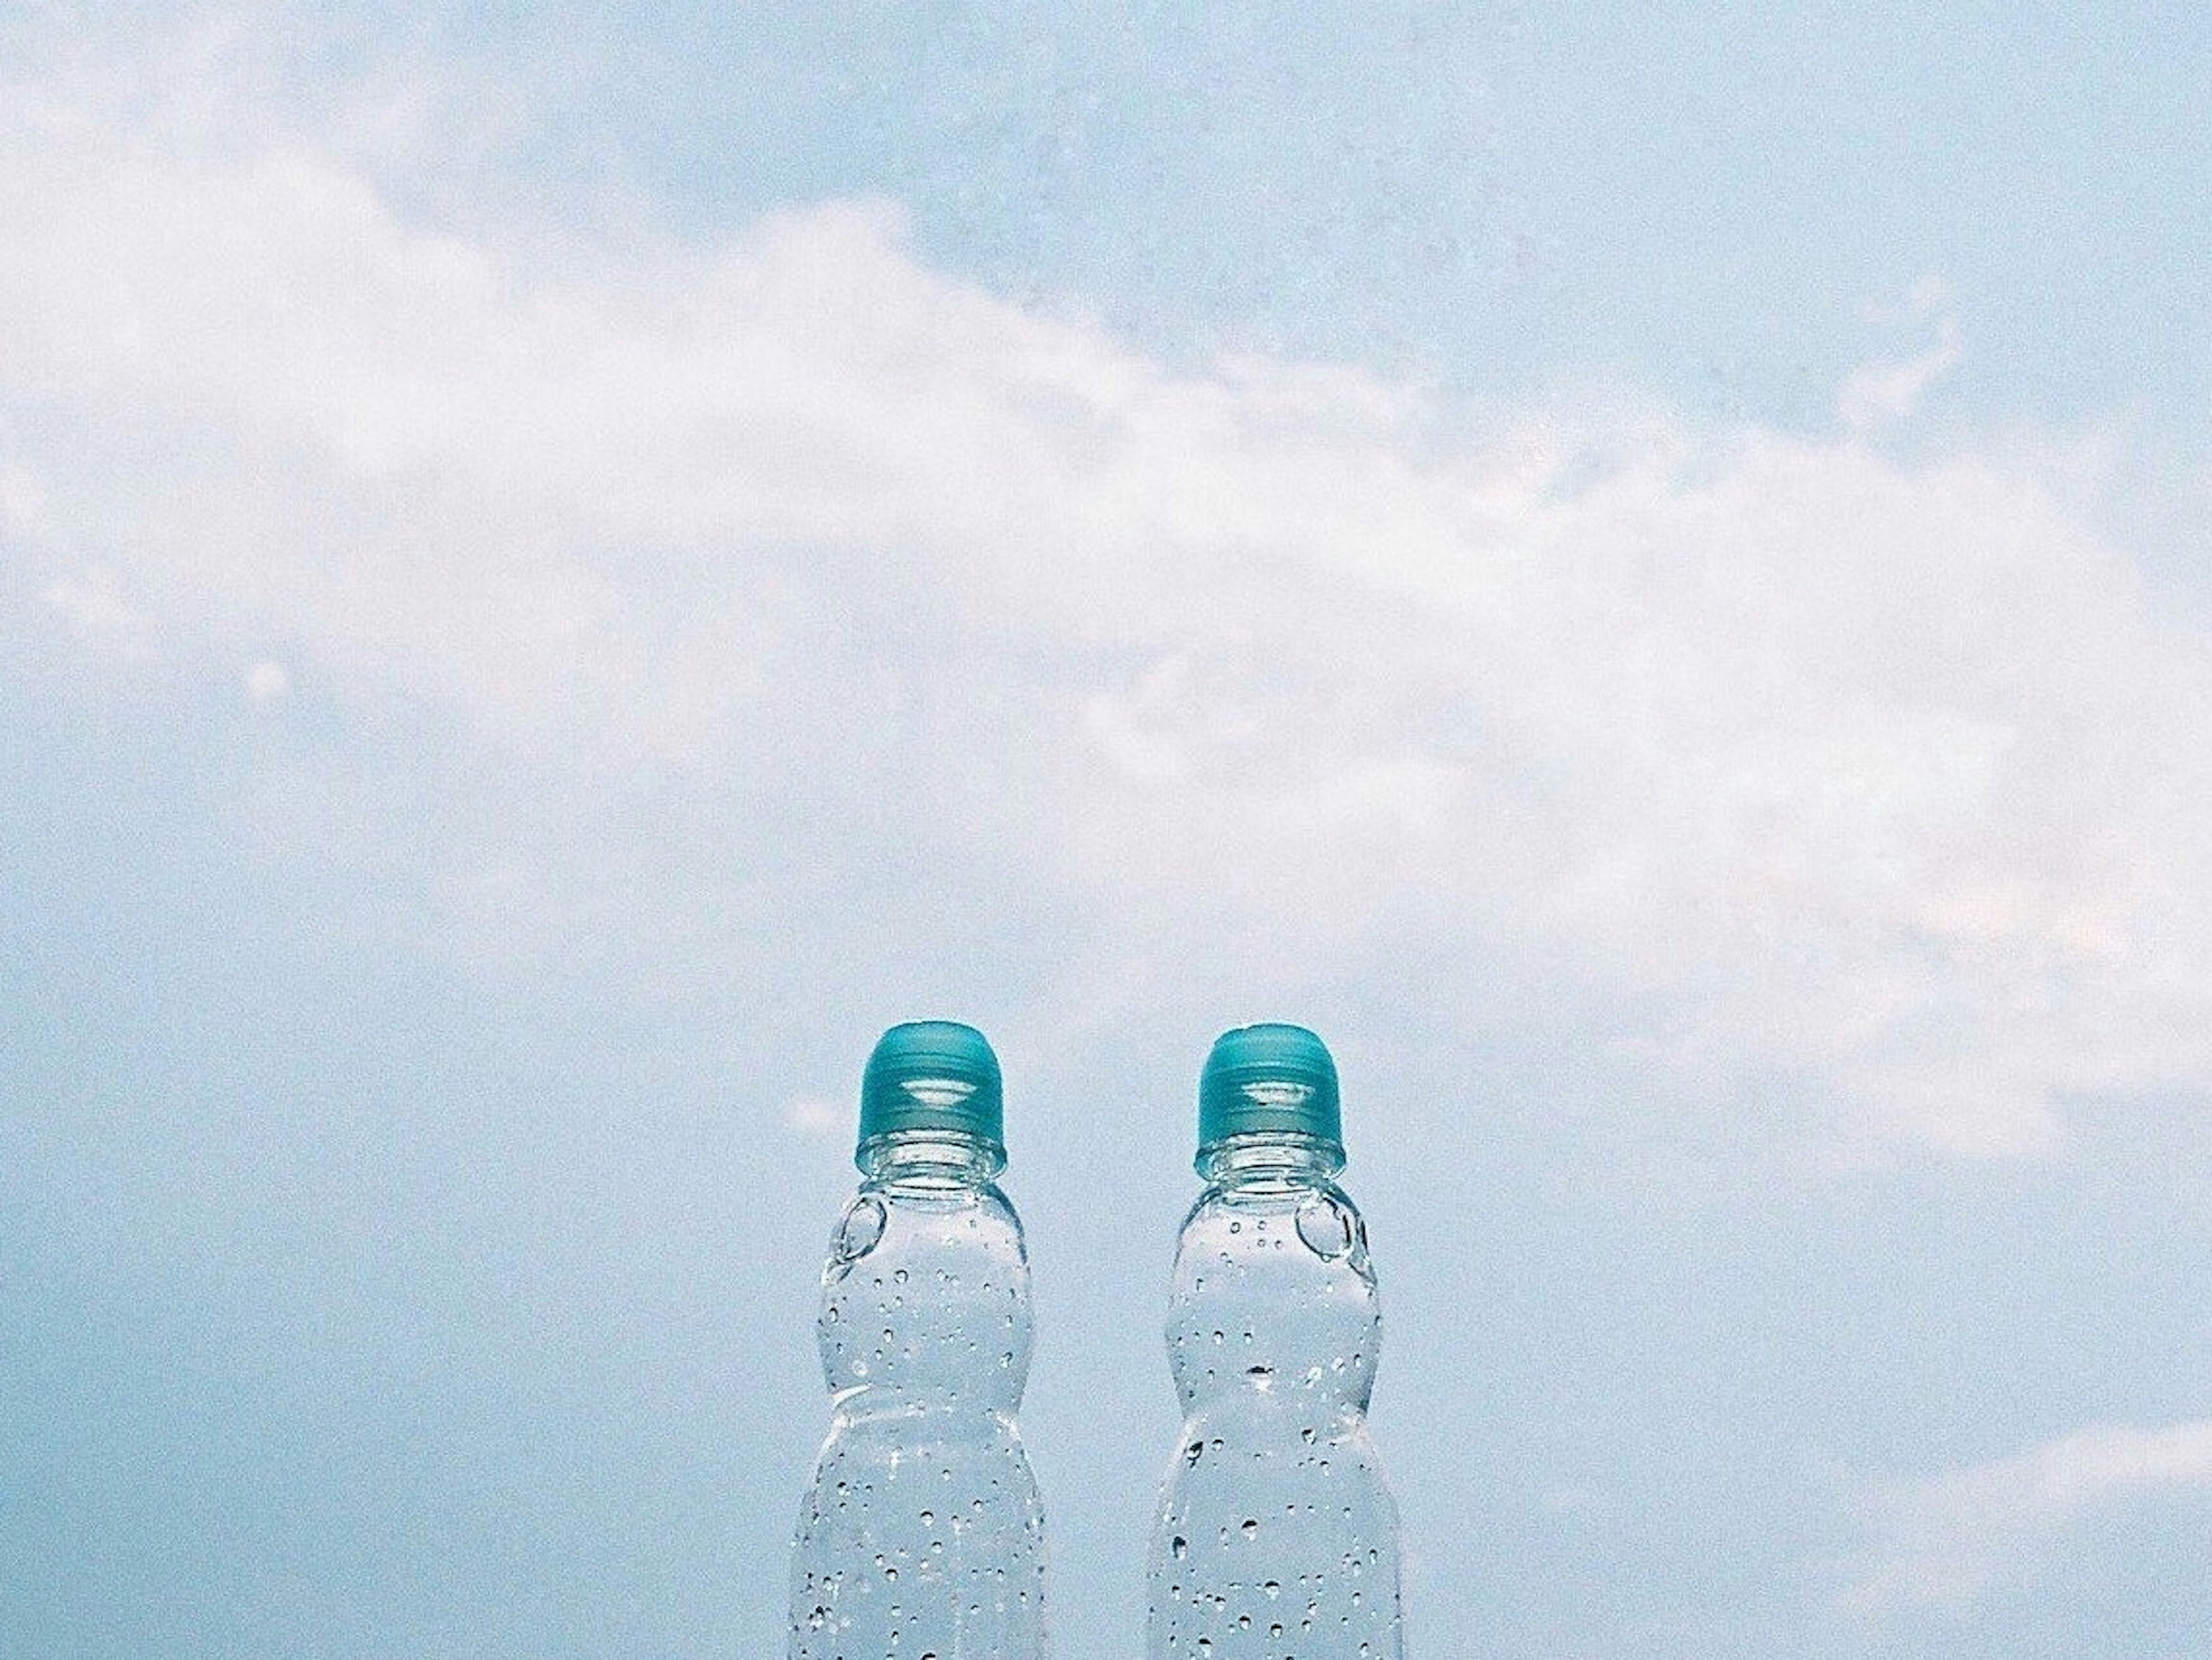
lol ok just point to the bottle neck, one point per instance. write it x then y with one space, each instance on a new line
928 1161
1270 1160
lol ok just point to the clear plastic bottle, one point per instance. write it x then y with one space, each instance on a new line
921 1537
1277 1538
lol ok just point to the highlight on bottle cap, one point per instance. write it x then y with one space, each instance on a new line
1268 1079
932 1075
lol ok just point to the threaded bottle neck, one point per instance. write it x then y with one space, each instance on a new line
929 1161
1271 1160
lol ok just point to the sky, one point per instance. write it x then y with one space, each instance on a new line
1645 570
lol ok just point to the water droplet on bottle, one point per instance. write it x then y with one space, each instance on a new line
1326 1226
861 1230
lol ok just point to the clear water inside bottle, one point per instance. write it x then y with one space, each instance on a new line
921 1537
1277 1537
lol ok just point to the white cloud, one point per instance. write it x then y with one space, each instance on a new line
94 602
819 1119
1949 1540
1891 389
1928 296
22 499
1794 759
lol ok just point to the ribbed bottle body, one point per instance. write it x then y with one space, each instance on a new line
1276 1538
922 1534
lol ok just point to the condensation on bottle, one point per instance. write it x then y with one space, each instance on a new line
921 1537
1276 1536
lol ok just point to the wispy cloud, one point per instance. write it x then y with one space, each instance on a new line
267 680
817 1119
1947 1540
94 602
1891 389
1787 757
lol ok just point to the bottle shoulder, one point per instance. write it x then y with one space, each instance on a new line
935 1197
1275 1311
1295 1229
926 1300
901 1217
1267 1198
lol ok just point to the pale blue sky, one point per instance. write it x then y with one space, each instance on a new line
1645 571
1704 196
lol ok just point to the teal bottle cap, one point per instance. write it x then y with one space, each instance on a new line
932 1075
1268 1079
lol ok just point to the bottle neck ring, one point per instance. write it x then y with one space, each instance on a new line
1270 1158
929 1160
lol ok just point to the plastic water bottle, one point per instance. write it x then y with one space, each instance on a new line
921 1537
1277 1538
